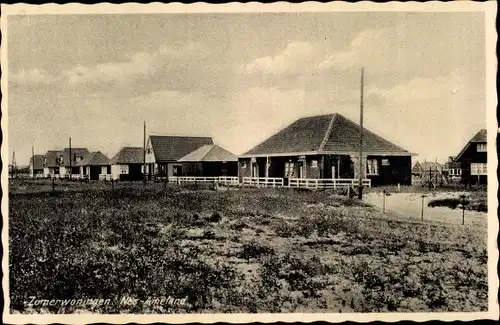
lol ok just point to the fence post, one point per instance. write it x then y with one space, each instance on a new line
422 213
53 185
383 201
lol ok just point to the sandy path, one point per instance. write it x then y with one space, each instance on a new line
410 205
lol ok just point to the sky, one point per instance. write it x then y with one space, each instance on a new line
240 77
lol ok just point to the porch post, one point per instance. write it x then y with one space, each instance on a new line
267 167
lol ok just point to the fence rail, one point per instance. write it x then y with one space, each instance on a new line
263 181
105 177
225 180
326 183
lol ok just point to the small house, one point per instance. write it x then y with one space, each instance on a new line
51 165
327 147
163 153
127 164
68 161
36 166
94 166
209 160
453 170
473 159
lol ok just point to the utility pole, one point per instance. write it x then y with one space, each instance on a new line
360 191
70 161
144 154
33 160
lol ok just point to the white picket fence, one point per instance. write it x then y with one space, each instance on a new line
326 183
105 177
263 181
224 180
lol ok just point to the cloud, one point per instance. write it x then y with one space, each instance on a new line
295 58
138 65
366 44
33 76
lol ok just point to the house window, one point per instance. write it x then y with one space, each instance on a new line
177 171
56 170
385 162
455 171
78 158
481 147
124 169
61 160
314 164
478 169
44 162
243 165
289 169
371 167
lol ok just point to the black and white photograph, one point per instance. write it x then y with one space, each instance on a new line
249 162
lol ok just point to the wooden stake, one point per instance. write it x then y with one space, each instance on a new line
70 161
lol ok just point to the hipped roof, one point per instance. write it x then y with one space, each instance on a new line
128 155
208 153
172 148
38 161
331 133
94 159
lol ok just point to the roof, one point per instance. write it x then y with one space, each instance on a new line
331 133
209 153
425 166
479 137
74 152
38 161
172 148
96 158
51 158
128 155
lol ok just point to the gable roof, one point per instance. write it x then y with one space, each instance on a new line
51 158
128 155
209 153
479 137
331 133
172 148
38 161
425 166
96 158
74 152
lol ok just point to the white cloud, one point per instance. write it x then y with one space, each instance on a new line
33 76
138 65
367 44
294 58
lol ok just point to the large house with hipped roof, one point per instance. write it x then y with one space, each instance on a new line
327 147
473 160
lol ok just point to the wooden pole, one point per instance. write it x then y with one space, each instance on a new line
360 192
33 160
13 167
144 154
70 160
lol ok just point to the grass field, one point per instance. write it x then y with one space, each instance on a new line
237 250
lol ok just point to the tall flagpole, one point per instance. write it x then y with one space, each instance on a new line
360 191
